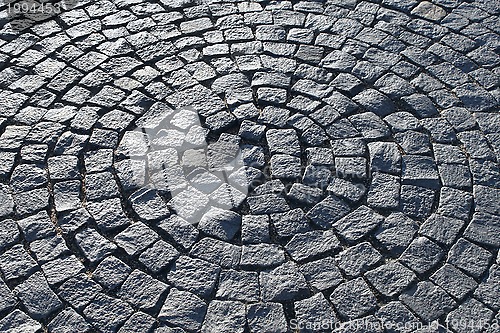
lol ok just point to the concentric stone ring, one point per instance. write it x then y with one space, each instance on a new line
250 166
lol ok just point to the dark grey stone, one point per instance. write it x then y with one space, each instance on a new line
255 229
420 171
107 313
251 131
347 83
138 322
26 177
369 125
7 160
267 204
395 313
486 199
141 290
71 221
305 195
326 212
100 186
315 309
351 167
283 283
261 255
19 321
342 104
474 97
158 256
385 157
420 105
442 229
421 255
476 144
273 115
384 191
312 243
396 87
220 223
195 275
391 279
7 299
455 175
9 233
340 129
67 195
453 281
339 60
485 173
455 203
220 121
414 142
70 143
317 176
358 223
183 233
472 313
448 154
285 166
148 204
484 229
416 201
238 286
136 238
94 246
32 201
16 263
232 314
266 317
290 223
49 248
353 299
440 130
284 141
183 309
217 252
325 116
428 301
346 189
358 259
111 272
37 297
322 274
469 257
396 232
79 291
68 320
487 291
61 269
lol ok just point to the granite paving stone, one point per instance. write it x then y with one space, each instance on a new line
266 317
250 166
183 309
353 298
427 300
36 295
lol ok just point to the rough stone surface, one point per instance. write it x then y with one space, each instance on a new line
183 309
245 166
353 299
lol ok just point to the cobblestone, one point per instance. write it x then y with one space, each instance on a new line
209 166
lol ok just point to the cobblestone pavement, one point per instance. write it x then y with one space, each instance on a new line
370 135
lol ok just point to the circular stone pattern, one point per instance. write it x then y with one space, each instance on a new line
250 166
